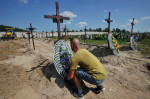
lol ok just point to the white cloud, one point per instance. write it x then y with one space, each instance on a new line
123 26
105 10
68 22
103 21
24 1
144 18
116 10
81 24
135 21
129 23
68 14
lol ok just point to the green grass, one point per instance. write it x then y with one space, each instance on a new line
102 42
144 46
97 42
94 42
123 43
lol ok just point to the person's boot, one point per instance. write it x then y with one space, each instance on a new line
76 94
99 88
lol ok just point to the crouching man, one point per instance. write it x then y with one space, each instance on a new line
91 70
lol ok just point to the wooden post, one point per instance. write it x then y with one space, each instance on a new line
85 34
46 34
108 21
42 34
65 31
28 33
132 23
52 34
31 30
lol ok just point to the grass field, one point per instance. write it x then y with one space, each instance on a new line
144 46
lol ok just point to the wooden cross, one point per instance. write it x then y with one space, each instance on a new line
52 34
85 34
132 23
31 29
28 33
65 31
108 21
42 34
39 35
36 35
57 19
46 34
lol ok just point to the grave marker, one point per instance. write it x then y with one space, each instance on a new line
52 34
108 21
85 34
57 19
31 29
132 23
28 33
65 30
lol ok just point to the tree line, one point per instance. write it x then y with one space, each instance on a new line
2 28
100 30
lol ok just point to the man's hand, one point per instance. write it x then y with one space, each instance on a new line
65 79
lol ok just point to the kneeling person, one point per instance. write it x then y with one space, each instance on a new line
91 70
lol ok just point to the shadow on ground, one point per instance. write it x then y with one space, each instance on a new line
49 72
125 48
102 51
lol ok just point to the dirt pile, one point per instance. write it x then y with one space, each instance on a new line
30 74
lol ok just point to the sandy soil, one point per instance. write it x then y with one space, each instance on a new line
30 74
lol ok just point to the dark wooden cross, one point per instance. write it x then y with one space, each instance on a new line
42 34
85 34
36 35
52 34
132 23
31 29
108 21
65 29
57 19
28 33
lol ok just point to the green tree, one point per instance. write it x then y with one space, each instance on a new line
123 31
118 30
105 30
81 30
114 30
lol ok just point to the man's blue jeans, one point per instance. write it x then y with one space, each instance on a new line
87 77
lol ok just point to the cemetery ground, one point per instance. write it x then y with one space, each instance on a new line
30 74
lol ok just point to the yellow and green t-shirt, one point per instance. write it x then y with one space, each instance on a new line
89 63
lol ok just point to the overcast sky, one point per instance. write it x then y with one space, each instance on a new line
90 13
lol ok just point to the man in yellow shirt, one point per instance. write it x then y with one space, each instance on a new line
91 70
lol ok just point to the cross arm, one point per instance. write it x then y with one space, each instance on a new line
108 20
56 17
30 28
